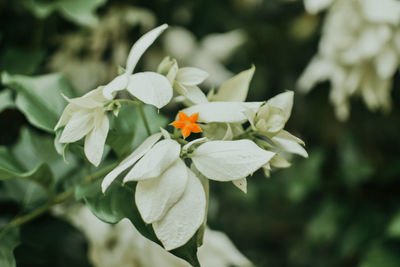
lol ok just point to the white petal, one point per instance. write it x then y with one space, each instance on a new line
229 160
381 11
235 89
289 143
184 218
141 46
386 63
241 184
91 99
151 88
192 93
191 76
155 196
119 83
78 126
279 162
165 133
95 140
222 111
283 101
315 6
155 162
229 133
67 114
130 160
195 141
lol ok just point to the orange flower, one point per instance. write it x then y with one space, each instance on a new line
187 124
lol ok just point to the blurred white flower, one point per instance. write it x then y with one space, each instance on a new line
122 245
85 116
208 54
104 47
359 52
149 87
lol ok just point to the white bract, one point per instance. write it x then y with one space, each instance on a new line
359 52
229 160
149 87
185 80
168 195
85 116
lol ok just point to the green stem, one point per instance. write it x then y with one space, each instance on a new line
146 124
141 110
60 198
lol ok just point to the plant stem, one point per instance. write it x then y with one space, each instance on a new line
141 110
146 123
60 198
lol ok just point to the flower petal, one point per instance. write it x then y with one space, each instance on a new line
141 46
283 101
130 160
155 196
381 11
95 140
229 160
78 126
235 89
289 143
181 222
119 83
315 6
155 161
241 184
222 111
191 76
151 88
67 114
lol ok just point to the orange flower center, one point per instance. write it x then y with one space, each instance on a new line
187 124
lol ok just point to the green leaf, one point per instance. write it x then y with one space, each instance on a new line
128 130
354 166
78 11
15 60
9 168
306 175
381 257
39 97
33 159
7 245
6 100
394 226
119 202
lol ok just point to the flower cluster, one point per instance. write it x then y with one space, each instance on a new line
234 139
359 51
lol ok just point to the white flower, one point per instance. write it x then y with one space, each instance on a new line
208 54
270 120
149 87
85 116
185 80
359 52
168 195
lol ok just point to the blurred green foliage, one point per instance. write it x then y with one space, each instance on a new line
340 207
